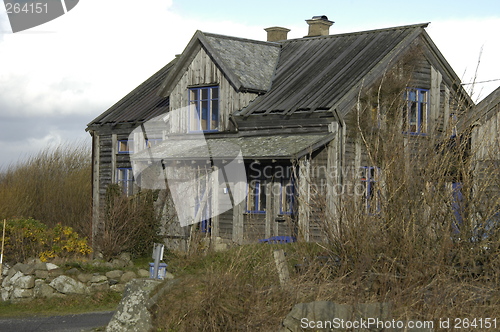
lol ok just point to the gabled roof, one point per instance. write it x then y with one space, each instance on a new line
141 104
247 64
311 74
321 73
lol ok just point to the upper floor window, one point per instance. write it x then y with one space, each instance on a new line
125 146
204 108
415 111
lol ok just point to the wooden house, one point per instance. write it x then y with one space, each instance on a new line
289 107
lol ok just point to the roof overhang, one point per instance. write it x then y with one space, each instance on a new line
274 147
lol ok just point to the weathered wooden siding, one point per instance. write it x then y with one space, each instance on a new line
486 138
203 71
485 154
319 220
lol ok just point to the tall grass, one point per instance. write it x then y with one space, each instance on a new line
53 186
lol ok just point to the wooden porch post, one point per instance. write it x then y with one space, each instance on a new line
304 198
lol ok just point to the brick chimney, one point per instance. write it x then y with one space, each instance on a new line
319 26
275 34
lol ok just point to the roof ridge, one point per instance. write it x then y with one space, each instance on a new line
255 41
402 27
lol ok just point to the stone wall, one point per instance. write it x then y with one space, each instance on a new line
36 279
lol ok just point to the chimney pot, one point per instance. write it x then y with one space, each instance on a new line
275 34
319 26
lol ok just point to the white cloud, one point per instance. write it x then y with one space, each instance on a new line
76 66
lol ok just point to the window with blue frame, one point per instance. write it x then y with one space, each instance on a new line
416 110
125 146
287 196
370 180
204 108
125 179
257 196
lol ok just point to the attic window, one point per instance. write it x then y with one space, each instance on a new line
204 108
415 111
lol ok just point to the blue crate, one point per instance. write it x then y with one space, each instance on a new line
162 270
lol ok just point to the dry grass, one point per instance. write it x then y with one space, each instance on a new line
53 187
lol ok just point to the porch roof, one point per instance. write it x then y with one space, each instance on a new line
196 147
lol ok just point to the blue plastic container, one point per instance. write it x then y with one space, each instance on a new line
162 270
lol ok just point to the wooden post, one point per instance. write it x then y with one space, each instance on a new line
279 259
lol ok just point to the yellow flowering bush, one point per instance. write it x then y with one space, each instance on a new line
26 238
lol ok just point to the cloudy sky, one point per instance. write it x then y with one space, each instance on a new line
57 77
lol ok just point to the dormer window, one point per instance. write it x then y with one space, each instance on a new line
204 108
415 111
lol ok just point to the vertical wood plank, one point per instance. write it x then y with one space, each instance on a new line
114 150
304 198
238 209
215 203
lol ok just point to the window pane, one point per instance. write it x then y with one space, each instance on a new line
204 115
262 196
215 93
412 96
215 115
422 97
195 116
204 94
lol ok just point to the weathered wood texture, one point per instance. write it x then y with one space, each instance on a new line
485 155
203 71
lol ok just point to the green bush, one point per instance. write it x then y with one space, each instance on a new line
25 238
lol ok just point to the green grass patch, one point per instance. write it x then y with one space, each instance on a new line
71 304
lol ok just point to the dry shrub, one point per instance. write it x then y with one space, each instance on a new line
237 290
53 186
130 223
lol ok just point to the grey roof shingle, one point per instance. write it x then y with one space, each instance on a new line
316 73
252 62
257 147
141 104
